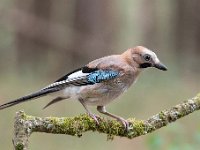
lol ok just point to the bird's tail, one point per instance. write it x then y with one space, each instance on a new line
28 97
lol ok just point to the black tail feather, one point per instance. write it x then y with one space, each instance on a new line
28 97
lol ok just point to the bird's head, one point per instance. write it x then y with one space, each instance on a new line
142 57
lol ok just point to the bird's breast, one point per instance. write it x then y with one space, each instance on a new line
105 92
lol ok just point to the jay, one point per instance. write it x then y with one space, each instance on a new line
99 82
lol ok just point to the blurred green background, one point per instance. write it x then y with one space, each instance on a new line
41 40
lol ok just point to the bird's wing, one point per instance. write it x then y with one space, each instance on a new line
81 77
84 76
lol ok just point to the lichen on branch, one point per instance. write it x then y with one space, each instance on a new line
25 125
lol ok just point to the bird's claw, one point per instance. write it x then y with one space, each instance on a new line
94 117
125 123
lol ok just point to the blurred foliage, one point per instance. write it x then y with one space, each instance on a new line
42 40
175 139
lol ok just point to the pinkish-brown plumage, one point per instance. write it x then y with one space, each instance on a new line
100 81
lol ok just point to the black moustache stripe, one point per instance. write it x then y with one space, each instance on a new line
145 65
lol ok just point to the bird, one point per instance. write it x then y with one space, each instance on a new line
99 82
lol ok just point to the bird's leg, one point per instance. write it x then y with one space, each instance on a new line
102 109
93 116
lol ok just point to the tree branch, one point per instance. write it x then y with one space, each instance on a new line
25 125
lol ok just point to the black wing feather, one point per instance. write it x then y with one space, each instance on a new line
54 87
95 76
65 77
84 69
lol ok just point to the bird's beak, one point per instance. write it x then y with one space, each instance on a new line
160 66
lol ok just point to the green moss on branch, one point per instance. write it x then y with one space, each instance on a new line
76 126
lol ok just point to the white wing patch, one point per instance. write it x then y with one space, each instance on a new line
72 77
77 74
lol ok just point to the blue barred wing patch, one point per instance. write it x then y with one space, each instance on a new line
101 75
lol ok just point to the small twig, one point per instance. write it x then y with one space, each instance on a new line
76 126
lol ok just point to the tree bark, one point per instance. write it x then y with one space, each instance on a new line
25 125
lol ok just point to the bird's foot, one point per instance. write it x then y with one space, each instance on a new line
124 122
93 116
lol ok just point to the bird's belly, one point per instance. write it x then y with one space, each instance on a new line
101 95
100 101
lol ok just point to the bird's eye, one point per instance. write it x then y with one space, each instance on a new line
147 57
